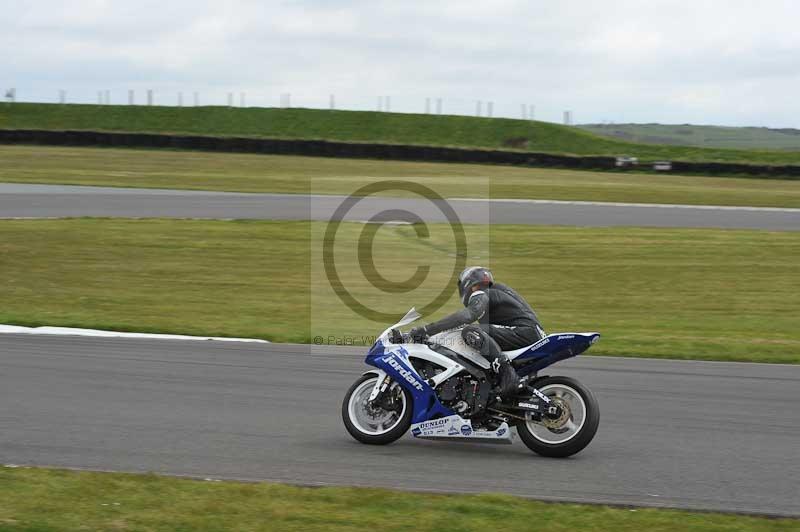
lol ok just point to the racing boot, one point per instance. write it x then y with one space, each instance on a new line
507 378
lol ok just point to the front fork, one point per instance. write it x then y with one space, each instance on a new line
380 385
378 397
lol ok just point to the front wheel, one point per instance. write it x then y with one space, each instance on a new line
378 422
572 430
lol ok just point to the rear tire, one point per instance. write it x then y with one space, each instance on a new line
583 418
354 407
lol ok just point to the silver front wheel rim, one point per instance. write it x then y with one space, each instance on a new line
369 418
567 426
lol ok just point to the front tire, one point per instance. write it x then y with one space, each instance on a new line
375 424
571 432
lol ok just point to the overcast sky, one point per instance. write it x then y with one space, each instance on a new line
729 62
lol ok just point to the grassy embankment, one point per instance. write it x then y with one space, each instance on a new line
55 500
362 126
676 293
742 138
275 173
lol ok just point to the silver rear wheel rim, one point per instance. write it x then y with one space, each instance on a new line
370 420
571 426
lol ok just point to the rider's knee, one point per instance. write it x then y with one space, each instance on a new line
473 337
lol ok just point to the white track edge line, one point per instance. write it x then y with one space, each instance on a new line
69 331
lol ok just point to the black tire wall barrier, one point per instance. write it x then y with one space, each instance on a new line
324 148
751 170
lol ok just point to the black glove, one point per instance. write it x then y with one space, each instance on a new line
418 334
396 337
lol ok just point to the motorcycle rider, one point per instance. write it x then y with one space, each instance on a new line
505 322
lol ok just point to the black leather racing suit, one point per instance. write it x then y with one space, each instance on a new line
505 321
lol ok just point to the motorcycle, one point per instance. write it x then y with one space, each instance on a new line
441 389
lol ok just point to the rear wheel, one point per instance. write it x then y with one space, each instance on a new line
378 422
573 429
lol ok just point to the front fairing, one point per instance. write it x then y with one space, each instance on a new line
393 359
378 348
410 317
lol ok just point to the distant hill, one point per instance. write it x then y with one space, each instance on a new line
371 127
753 138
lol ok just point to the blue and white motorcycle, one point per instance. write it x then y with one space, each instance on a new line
442 390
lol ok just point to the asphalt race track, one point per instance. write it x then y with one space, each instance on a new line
44 201
703 435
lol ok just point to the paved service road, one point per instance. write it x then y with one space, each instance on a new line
672 433
42 201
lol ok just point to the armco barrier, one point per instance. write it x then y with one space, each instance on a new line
324 148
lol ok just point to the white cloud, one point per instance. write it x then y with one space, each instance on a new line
709 61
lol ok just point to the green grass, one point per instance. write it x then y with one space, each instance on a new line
276 173
750 138
673 293
359 126
44 500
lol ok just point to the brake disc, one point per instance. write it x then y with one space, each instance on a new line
556 425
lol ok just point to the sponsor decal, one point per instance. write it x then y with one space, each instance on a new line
502 431
466 430
566 337
406 374
416 432
541 396
540 343
436 423
453 431
529 405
